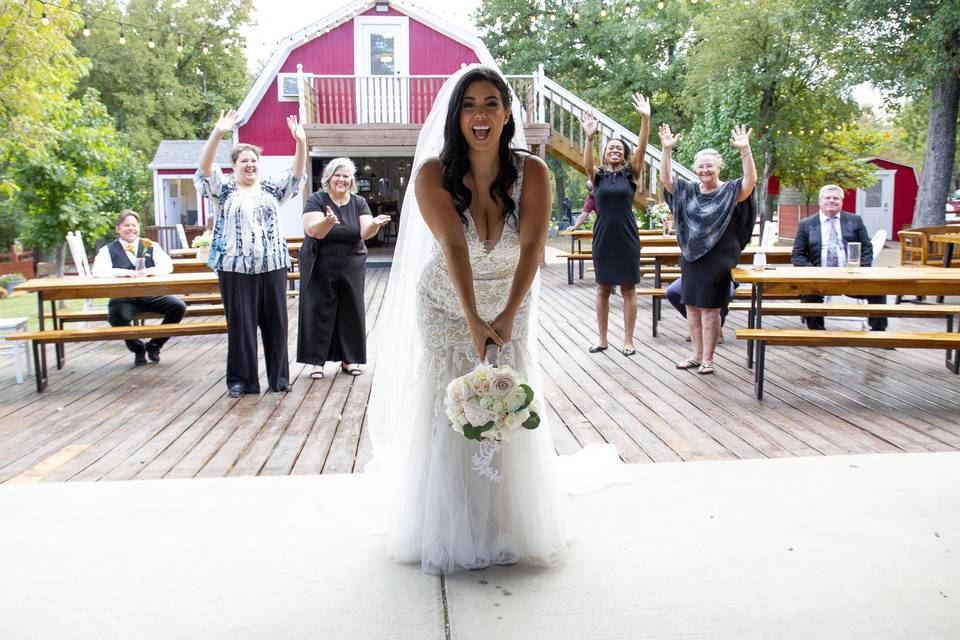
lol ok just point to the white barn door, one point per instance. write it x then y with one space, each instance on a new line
875 203
382 63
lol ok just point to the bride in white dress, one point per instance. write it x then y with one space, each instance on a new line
465 271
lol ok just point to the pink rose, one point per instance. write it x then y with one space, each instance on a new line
502 384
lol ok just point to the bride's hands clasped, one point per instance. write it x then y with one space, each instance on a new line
503 325
480 332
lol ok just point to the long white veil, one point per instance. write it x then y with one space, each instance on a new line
398 347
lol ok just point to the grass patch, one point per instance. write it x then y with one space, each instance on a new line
25 305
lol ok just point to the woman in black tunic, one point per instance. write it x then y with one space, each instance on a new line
616 242
333 258
714 221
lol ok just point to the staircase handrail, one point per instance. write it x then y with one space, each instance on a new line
607 124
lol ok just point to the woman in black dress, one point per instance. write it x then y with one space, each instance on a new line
616 242
333 258
714 221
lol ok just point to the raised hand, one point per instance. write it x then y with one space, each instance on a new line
589 123
296 129
227 121
740 137
667 138
641 104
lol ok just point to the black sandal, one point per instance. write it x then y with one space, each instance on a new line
597 349
317 373
351 370
628 352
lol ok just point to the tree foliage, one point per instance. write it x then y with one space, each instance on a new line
160 92
78 184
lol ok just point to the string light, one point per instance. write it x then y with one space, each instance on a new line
603 13
206 49
660 5
152 31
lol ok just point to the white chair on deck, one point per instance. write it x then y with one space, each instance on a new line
183 237
79 255
17 347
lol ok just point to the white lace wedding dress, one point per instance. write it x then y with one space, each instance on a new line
447 515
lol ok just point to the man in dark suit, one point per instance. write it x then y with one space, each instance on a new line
822 240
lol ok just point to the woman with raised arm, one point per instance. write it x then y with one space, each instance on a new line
616 241
249 253
714 221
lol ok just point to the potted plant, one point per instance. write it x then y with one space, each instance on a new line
202 244
10 280
662 217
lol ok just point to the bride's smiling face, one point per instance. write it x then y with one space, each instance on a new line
482 115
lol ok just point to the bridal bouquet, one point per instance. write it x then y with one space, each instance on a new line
491 403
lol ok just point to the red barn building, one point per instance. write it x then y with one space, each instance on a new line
363 80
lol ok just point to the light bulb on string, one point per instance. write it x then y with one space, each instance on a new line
576 15
179 43
45 20
206 49
660 5
603 13
86 30
151 43
123 39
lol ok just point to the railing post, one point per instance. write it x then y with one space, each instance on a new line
301 91
539 89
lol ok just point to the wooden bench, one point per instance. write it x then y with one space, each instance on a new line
947 311
869 339
101 315
740 293
916 248
59 336
575 256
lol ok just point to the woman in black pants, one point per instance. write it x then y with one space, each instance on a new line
249 253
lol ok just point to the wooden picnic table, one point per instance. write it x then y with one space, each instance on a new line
294 248
647 237
81 288
950 240
670 255
911 280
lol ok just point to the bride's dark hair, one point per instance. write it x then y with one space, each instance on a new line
454 157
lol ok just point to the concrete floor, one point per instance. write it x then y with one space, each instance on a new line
840 547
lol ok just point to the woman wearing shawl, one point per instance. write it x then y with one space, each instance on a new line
714 220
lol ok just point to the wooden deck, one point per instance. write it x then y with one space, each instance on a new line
101 419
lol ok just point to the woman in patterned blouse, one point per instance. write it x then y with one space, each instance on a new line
249 253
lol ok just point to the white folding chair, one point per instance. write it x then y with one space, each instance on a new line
17 347
183 237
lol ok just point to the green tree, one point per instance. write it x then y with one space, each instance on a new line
76 184
755 63
172 89
910 48
38 67
603 51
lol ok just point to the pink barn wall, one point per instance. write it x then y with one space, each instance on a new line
431 53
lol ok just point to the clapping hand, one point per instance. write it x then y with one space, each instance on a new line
740 137
382 220
667 138
589 123
296 129
227 121
331 218
641 104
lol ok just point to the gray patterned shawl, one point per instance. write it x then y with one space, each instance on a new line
701 219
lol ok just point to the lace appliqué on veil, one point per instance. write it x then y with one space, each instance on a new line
481 462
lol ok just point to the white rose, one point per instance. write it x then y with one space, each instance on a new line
459 390
476 415
514 421
497 406
486 403
515 400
